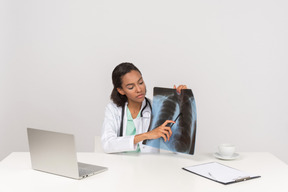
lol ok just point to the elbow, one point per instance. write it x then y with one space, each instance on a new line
106 146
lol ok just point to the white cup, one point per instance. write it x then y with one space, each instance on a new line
226 149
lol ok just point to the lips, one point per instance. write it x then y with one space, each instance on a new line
140 96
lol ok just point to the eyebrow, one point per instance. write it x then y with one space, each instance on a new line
133 83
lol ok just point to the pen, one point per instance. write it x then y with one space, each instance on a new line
175 120
210 174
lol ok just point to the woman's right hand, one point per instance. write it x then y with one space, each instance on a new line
163 131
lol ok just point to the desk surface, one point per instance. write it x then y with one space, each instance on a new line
144 172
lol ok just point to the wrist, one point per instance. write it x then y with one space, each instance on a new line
144 136
140 137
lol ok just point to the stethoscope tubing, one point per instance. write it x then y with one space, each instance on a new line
141 115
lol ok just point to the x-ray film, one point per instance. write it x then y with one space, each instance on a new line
181 108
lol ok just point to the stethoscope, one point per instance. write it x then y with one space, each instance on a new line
141 114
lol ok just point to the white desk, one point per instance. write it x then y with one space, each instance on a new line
144 172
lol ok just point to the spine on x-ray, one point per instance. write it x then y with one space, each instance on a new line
183 135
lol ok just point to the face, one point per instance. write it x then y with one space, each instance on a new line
133 87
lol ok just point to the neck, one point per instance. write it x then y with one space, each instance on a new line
134 106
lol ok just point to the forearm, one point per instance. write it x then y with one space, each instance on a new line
140 137
161 131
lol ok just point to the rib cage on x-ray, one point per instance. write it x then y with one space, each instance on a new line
167 105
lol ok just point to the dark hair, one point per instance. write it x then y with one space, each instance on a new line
117 74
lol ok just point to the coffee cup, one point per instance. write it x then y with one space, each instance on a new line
226 149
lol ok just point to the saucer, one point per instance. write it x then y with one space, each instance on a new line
234 156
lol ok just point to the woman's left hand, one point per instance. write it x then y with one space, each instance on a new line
179 88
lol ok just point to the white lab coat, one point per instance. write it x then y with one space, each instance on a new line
110 139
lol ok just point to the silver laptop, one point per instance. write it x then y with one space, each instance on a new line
55 153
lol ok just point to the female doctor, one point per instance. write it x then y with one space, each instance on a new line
128 116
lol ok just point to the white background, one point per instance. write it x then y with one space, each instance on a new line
56 59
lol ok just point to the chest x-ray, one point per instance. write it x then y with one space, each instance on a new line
169 105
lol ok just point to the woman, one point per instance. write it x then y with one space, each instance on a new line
127 117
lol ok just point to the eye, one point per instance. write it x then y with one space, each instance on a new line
130 87
141 82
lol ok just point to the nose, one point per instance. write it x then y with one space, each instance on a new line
138 88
